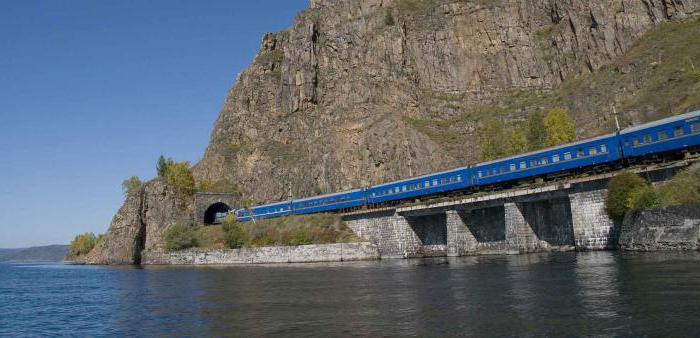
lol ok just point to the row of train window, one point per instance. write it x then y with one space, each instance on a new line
664 135
419 186
542 161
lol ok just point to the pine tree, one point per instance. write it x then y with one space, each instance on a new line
536 133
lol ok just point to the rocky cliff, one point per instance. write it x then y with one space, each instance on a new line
361 92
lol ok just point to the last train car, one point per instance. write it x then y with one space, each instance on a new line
670 135
330 202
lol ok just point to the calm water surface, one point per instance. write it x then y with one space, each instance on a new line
566 294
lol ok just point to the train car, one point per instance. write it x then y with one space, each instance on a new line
431 184
264 211
573 156
329 202
672 134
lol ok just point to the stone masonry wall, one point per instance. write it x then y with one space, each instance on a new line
673 228
593 229
266 255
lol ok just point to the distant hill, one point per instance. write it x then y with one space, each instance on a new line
49 253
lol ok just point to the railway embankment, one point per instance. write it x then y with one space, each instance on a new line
672 228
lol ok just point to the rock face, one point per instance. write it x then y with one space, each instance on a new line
139 225
362 92
674 228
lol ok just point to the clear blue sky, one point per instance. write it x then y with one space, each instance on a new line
92 92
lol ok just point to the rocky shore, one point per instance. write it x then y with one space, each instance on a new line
673 228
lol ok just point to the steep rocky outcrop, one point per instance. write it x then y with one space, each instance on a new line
139 225
360 92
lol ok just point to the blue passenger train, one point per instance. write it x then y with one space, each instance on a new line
655 140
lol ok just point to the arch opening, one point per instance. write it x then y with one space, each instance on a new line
216 213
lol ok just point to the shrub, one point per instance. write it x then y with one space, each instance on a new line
388 18
179 236
82 244
683 189
131 184
179 176
643 198
536 133
235 235
620 188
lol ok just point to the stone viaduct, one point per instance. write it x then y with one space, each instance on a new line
547 217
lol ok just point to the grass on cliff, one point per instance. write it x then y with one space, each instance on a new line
282 231
657 77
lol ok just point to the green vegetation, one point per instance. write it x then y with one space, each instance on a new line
388 18
131 185
536 134
179 176
163 165
221 186
558 127
82 244
495 141
620 188
282 231
630 192
179 236
415 6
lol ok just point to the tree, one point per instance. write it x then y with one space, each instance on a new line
518 142
492 141
536 133
164 165
131 185
559 127
82 244
179 176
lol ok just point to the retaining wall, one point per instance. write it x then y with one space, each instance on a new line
265 255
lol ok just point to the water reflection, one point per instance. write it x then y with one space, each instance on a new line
589 294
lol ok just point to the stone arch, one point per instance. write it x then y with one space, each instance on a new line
214 210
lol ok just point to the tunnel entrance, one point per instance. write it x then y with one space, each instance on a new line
216 213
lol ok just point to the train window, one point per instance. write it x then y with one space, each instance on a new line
555 158
603 148
543 161
695 127
396 189
647 138
435 182
523 165
592 151
443 181
663 135
459 178
677 131
403 188
480 173
635 142
502 169
579 152
533 163
512 167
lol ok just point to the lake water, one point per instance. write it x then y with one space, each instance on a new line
564 294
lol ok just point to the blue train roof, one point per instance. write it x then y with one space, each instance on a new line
661 122
598 138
